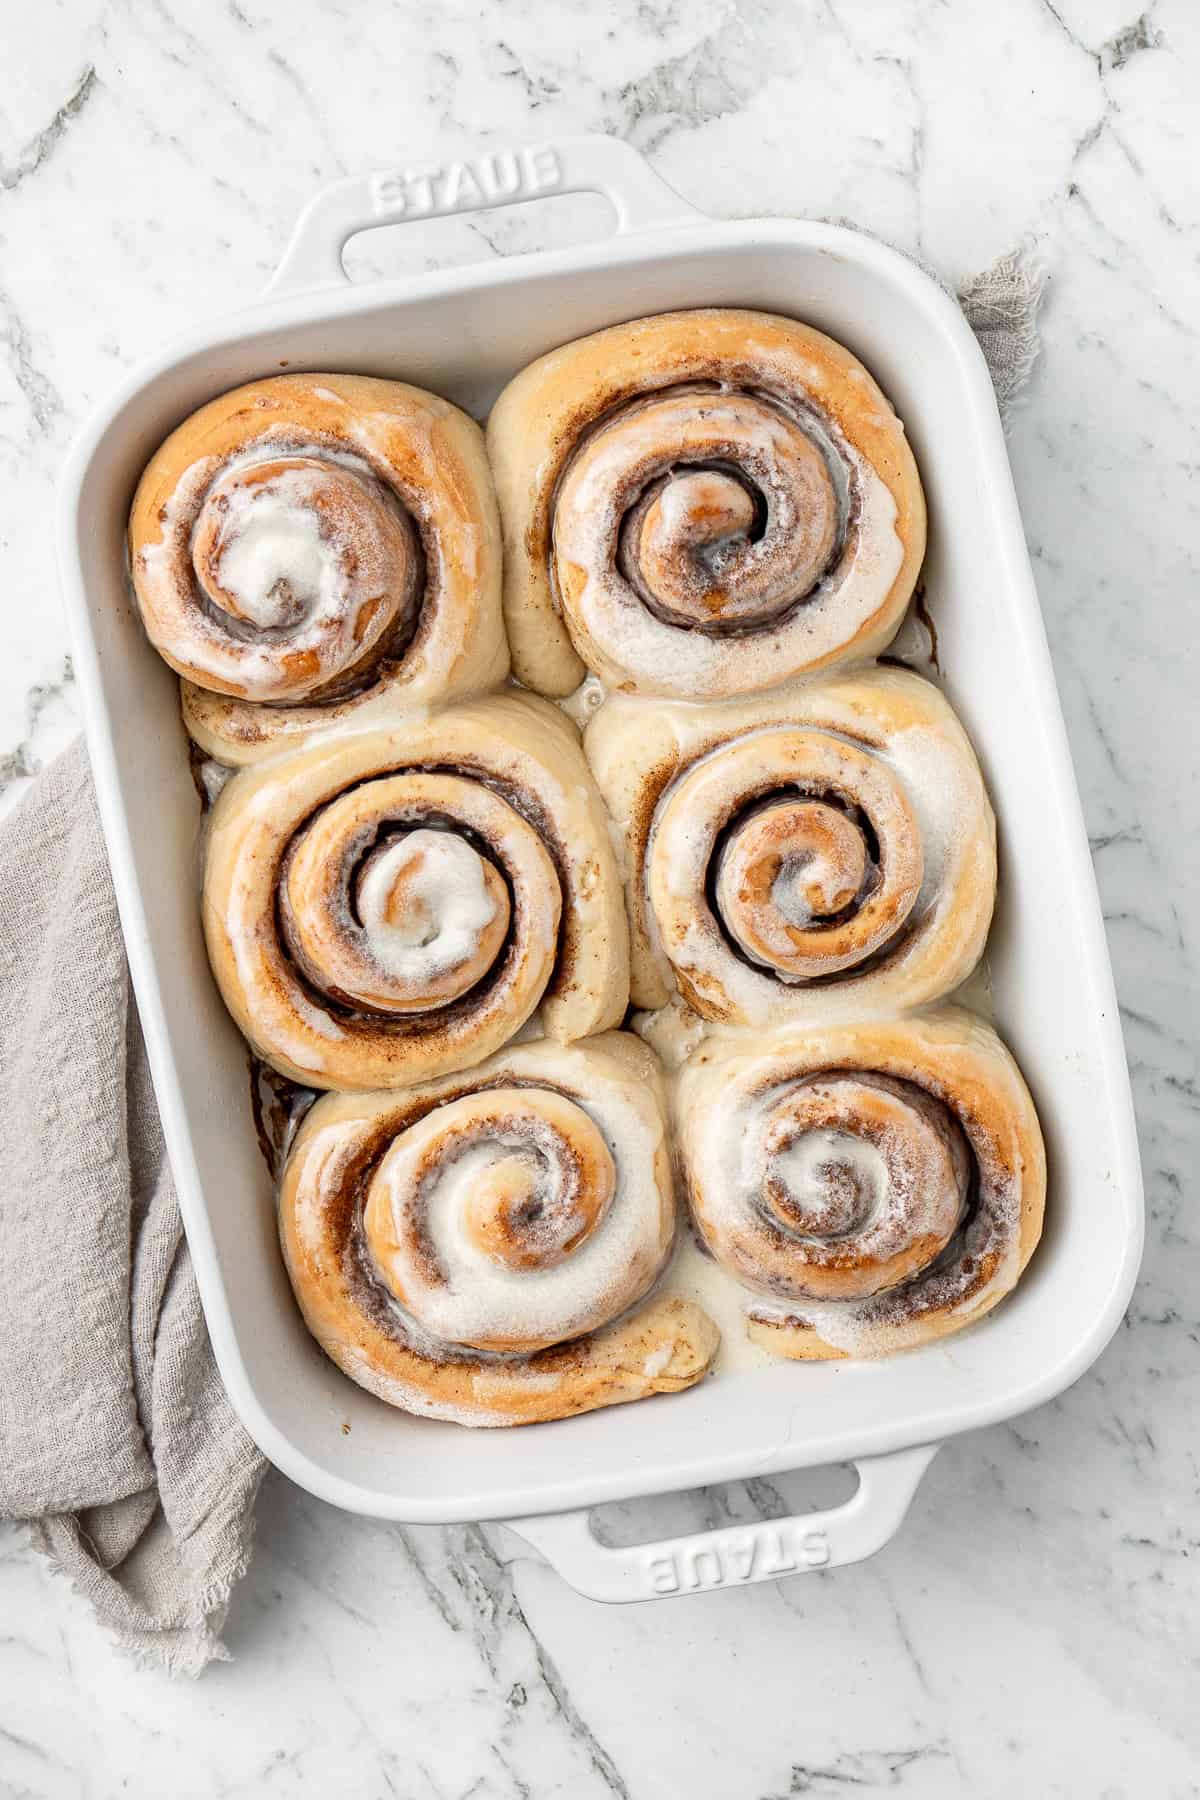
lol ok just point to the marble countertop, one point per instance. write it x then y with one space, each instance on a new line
1030 1629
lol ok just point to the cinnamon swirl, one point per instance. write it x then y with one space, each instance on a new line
826 848
872 1186
381 907
481 1248
304 544
701 504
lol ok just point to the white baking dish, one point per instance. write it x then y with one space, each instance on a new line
464 333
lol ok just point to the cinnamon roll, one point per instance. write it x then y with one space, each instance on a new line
872 1186
823 849
701 504
480 1248
307 543
382 907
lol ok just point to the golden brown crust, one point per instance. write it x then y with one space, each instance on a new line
671 778
768 370
376 460
949 1056
852 876
506 771
659 1346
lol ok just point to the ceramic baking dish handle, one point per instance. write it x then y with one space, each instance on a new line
470 183
738 1553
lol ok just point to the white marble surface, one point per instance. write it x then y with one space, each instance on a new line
1031 1629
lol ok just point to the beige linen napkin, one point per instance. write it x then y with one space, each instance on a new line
1001 307
116 1437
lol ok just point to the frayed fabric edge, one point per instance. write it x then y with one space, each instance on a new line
181 1651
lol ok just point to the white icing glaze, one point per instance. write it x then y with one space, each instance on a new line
790 887
448 905
940 783
475 1297
944 792
658 1359
803 1167
672 1031
213 776
693 1275
726 1100
277 544
905 1188
283 573
681 854
587 700
690 662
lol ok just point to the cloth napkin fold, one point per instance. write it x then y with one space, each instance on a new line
117 1440
116 1437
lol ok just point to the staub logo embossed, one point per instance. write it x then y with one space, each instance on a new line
750 1556
460 186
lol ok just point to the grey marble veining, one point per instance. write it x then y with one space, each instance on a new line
1034 1627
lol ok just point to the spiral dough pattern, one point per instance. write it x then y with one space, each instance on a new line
481 1248
872 1187
305 543
701 504
826 846
386 906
